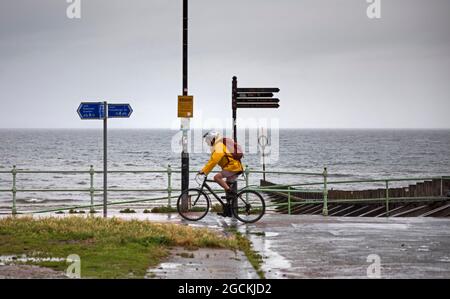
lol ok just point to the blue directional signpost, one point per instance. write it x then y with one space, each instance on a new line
119 110
91 110
103 111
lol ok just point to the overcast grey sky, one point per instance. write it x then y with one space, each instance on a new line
336 67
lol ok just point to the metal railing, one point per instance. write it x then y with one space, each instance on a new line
325 183
286 189
169 171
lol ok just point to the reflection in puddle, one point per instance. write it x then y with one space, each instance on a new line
274 263
163 268
423 248
167 266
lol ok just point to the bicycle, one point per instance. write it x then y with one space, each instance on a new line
194 204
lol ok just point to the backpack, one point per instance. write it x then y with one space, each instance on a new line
234 148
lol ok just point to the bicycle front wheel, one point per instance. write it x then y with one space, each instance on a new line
193 204
249 206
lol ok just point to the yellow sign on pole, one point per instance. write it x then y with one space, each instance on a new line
185 106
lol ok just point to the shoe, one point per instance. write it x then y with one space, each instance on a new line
229 212
226 211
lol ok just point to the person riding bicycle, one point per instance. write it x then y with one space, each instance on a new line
222 156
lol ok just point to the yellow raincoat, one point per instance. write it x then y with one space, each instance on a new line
222 156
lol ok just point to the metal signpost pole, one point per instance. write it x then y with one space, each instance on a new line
105 159
185 122
234 106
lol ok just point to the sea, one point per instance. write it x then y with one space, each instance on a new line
353 154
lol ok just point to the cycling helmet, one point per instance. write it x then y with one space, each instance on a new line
211 137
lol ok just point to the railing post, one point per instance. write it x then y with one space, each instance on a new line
325 192
442 186
91 189
247 173
169 185
387 198
289 200
14 190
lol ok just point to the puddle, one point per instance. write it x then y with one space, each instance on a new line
34 200
12 259
423 249
167 266
271 234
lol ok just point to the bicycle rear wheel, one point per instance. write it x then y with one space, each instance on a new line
193 204
249 206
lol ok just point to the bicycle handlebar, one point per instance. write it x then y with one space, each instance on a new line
198 176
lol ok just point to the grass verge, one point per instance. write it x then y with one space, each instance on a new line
108 248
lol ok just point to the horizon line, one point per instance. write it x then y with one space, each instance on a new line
286 128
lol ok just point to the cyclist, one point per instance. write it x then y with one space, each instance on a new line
231 167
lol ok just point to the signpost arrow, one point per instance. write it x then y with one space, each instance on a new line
119 110
257 90
258 106
255 95
91 110
259 101
251 98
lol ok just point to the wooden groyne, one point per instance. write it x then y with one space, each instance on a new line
427 199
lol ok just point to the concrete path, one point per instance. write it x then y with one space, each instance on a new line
335 247
204 263
29 272
321 247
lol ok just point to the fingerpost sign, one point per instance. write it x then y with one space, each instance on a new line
103 111
249 98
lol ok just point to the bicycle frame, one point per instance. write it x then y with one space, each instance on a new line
203 189
211 191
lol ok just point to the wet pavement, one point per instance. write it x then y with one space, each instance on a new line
204 263
305 246
335 247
